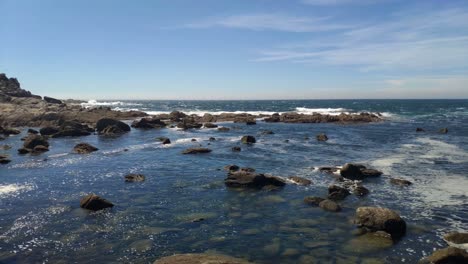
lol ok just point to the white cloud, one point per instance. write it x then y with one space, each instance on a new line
276 22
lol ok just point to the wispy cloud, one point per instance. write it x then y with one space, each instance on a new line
408 41
276 22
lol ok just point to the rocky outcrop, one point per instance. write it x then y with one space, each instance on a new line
358 172
232 167
210 125
9 131
134 177
189 123
148 123
380 219
449 255
84 148
196 150
361 191
95 203
10 87
200 259
248 140
457 239
319 118
111 127
252 180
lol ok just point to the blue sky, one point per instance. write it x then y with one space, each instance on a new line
238 49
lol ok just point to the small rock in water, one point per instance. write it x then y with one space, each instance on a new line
231 167
33 131
248 139
336 193
236 149
5 147
196 150
313 200
361 191
267 132
449 255
223 129
4 159
194 139
134 177
210 125
418 129
84 148
251 179
358 172
329 205
443 131
94 203
212 139
300 180
40 149
400 182
164 140
322 137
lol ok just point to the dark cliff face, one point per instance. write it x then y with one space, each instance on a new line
11 87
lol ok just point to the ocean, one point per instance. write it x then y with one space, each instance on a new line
41 221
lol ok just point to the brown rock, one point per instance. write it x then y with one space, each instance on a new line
300 180
322 137
248 139
94 203
200 259
329 205
84 148
449 255
134 177
380 219
400 182
252 180
196 150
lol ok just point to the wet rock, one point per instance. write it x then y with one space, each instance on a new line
134 177
5 147
40 149
84 148
236 149
300 181
72 129
23 151
247 169
210 125
164 140
443 130
250 122
34 140
380 219
449 255
200 259
223 129
47 131
94 203
326 169
369 242
329 205
358 172
194 140
33 131
248 139
361 191
9 131
337 193
176 116
313 200
273 118
322 137
4 159
418 129
267 132
212 139
457 239
196 150
231 167
400 182
148 123
51 100
251 179
109 126
189 123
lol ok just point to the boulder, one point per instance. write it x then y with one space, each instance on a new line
134 177
322 137
400 182
34 140
358 172
380 219
111 126
337 193
273 118
72 129
313 200
329 205
212 139
252 180
51 100
48 131
236 149
449 255
164 140
9 131
176 116
84 148
189 123
196 150
210 125
148 123
94 203
200 259
300 181
248 139
361 191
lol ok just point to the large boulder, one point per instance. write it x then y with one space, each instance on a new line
94 203
380 219
71 129
248 139
358 172
251 179
148 123
449 255
200 259
84 148
35 140
457 239
109 126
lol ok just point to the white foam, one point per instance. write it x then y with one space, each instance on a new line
12 189
94 103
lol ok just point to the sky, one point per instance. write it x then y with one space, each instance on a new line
237 49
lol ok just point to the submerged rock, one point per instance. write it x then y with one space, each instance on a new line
236 149
449 255
358 172
336 193
196 150
313 200
381 219
443 130
369 242
400 182
223 129
418 129
329 205
94 203
361 191
200 259
164 140
322 137
84 148
267 132
248 139
300 181
251 179
134 177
